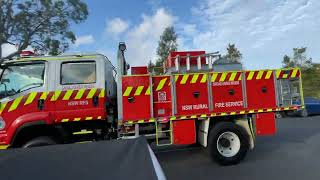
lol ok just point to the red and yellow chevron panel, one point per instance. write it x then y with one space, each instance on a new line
88 118
287 73
225 76
191 78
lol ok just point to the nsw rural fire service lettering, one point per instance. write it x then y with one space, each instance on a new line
229 104
195 106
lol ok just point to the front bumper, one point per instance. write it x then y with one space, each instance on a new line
4 147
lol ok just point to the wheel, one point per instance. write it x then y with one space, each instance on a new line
228 143
39 141
304 113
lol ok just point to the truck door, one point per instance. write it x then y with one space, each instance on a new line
79 92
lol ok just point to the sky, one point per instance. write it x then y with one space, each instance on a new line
263 30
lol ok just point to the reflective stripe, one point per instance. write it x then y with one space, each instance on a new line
242 112
251 111
76 119
223 77
268 75
203 115
260 73
4 147
102 93
59 58
3 105
64 120
204 78
184 79
141 121
67 95
44 95
15 103
194 78
233 76
294 73
183 117
173 118
250 76
55 95
79 94
161 84
91 93
147 91
214 77
194 116
176 78
285 76
127 91
99 117
233 113
223 114
30 98
89 118
138 90
278 73
82 132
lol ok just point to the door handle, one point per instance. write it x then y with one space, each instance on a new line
95 101
40 104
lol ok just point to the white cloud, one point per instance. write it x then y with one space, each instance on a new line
7 49
83 40
263 30
142 40
116 26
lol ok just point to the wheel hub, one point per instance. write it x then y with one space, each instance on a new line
228 144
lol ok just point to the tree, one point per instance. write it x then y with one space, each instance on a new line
41 24
299 59
150 66
233 54
167 43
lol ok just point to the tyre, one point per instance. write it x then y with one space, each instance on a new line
228 143
39 141
304 113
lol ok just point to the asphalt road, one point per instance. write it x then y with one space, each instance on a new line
293 153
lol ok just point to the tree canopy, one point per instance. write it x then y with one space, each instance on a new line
299 59
42 24
233 54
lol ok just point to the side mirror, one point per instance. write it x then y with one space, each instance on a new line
3 90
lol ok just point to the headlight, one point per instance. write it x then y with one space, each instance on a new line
2 123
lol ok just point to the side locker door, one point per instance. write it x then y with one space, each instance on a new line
79 94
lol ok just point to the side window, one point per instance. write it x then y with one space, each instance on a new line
78 73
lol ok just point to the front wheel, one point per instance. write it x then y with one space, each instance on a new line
228 143
39 141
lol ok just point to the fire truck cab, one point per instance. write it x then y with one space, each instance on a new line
83 97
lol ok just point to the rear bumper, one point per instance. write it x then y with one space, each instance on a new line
4 147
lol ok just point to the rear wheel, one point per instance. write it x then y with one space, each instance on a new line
39 141
228 143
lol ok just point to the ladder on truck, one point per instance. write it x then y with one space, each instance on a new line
164 132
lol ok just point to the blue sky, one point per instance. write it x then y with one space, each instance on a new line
263 30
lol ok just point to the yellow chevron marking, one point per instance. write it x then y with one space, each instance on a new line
89 118
294 73
64 120
44 95
203 115
285 76
214 77
151 120
204 78
148 91
223 77
250 76
102 93
130 122
91 93
79 94
128 91
176 78
269 110
194 78
15 103
233 76
67 95
260 110
223 114
99 117
251 111
55 95
193 116
30 98
3 105
286 108
184 79
161 84
138 90
242 112
76 119
268 75
240 77
233 113
260 73
82 132
278 73
183 117
173 118
213 114
4 147
141 121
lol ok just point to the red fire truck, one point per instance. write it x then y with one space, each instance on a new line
72 98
